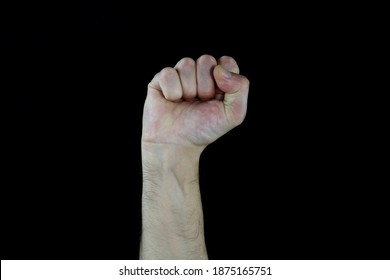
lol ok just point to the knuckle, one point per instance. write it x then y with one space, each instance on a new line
186 62
166 73
227 59
230 63
207 59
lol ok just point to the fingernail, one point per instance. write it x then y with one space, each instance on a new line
226 74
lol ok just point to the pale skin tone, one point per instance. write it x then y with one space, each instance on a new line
187 107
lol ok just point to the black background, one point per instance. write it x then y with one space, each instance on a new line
295 181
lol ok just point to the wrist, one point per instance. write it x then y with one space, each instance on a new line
170 150
162 160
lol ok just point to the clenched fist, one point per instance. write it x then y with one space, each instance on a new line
195 102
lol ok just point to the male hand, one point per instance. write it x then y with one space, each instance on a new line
194 103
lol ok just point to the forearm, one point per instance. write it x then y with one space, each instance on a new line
172 216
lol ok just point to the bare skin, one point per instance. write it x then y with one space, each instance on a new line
187 107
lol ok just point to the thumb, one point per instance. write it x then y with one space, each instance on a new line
236 88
